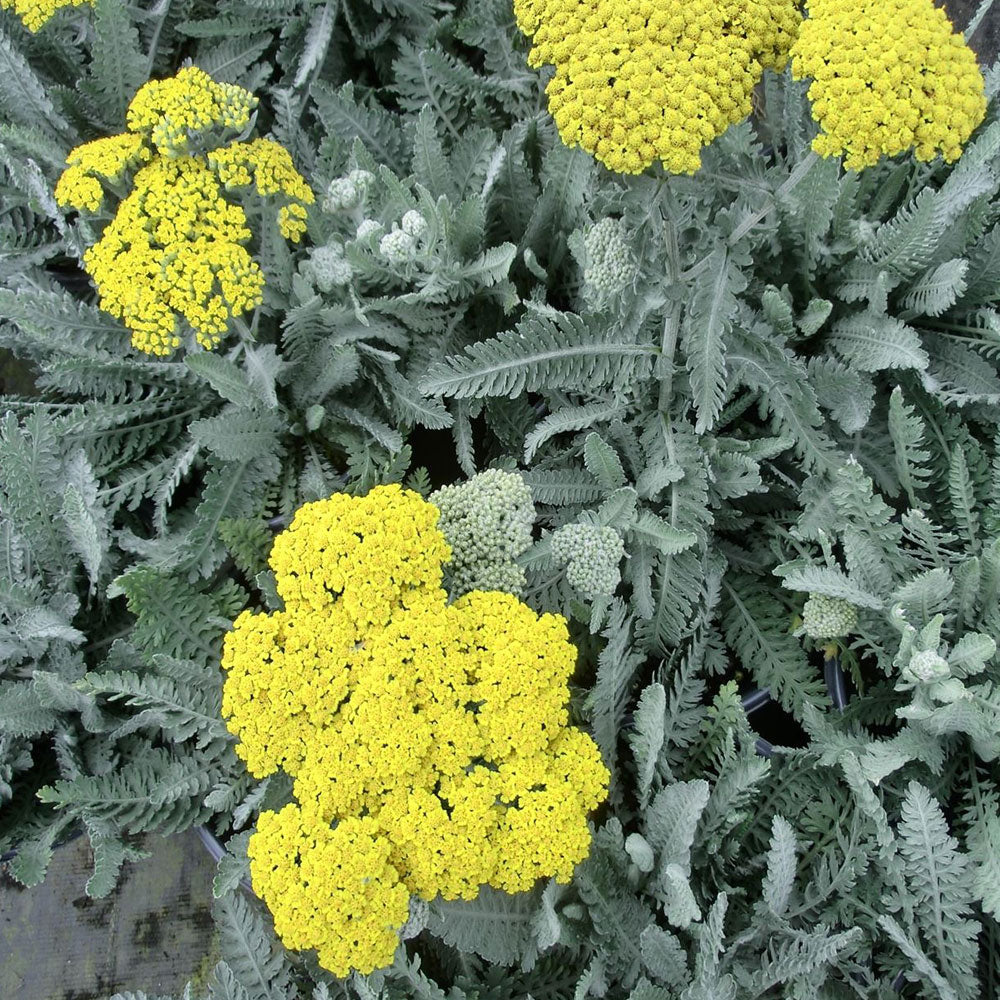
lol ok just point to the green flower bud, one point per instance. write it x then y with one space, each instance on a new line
345 193
610 266
591 555
414 224
927 666
828 617
487 522
397 247
329 268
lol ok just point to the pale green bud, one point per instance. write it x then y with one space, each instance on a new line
345 193
927 666
828 617
329 268
591 554
397 247
368 229
487 522
414 224
610 266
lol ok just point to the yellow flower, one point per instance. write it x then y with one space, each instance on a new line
34 13
107 158
432 736
353 918
643 80
268 167
176 248
888 75
170 111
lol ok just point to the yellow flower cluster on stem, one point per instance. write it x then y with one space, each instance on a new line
638 81
175 252
34 13
429 742
888 75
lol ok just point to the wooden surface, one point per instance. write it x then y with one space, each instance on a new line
153 934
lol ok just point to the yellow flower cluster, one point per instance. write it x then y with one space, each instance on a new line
176 246
429 742
108 159
170 111
888 75
337 889
34 13
644 80
268 167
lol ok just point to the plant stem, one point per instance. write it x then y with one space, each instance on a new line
801 169
672 311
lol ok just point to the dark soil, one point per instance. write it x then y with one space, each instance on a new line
986 40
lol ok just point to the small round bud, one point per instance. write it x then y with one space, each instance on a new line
368 229
591 554
397 247
345 193
927 666
414 224
329 268
828 617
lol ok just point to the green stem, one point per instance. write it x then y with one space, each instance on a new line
672 312
801 169
161 15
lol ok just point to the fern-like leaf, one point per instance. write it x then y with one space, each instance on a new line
562 351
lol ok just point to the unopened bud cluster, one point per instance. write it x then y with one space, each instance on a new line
487 522
591 554
828 617
610 266
346 193
329 268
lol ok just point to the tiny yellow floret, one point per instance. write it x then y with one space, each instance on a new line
888 76
429 742
638 81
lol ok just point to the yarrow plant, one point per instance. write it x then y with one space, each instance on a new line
175 252
429 742
691 442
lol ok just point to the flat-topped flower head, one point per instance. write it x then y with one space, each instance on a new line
638 81
34 13
175 249
888 76
431 739
175 256
106 159
171 111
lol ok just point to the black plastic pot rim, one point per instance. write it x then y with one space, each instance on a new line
214 847
836 687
